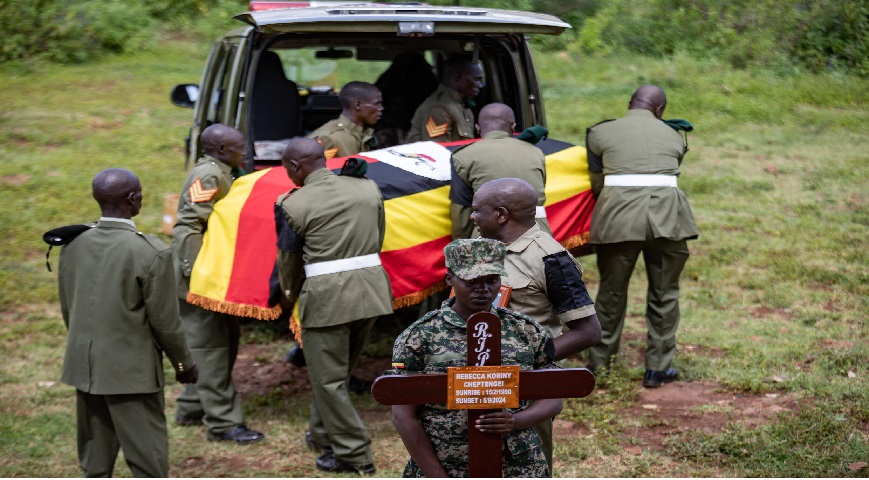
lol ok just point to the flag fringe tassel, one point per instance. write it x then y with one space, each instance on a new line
239 310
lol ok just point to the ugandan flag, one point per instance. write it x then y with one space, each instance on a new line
233 269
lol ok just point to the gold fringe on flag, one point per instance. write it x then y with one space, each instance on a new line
249 311
575 241
419 296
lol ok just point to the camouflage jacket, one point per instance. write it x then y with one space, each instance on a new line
437 341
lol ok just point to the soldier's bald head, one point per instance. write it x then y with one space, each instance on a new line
301 157
496 116
223 143
118 192
304 151
114 185
514 194
649 97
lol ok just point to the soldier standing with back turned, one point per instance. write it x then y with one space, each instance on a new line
497 155
117 300
634 164
332 228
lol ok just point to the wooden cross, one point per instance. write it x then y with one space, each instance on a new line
484 333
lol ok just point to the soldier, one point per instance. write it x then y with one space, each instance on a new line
352 132
497 155
545 280
332 227
437 438
116 290
634 162
213 336
446 116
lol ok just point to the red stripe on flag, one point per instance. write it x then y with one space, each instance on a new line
571 216
255 246
415 268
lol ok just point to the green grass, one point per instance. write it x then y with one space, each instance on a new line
776 285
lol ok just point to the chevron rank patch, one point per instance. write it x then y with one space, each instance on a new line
397 365
330 153
199 194
435 130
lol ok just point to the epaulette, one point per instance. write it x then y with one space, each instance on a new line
153 240
459 149
285 195
598 123
63 236
425 318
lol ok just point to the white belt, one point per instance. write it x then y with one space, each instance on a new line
342 265
540 212
639 181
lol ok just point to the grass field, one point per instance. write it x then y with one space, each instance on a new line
774 298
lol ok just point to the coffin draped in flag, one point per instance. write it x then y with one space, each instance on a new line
233 270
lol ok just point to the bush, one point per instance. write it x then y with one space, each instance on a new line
72 31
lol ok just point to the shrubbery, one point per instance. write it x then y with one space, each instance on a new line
812 34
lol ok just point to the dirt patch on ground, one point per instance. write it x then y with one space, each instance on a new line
259 378
680 407
673 409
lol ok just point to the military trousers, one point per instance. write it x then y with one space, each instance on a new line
132 422
331 354
664 261
213 341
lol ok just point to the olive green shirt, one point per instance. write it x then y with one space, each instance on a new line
332 218
341 137
117 296
442 117
497 155
537 294
638 143
208 182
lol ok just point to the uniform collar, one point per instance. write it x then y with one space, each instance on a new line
122 223
356 130
128 221
318 175
639 112
495 134
224 168
525 239
450 316
456 96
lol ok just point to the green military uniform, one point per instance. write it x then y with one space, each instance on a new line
341 137
213 336
634 162
437 341
116 289
497 155
442 117
546 283
335 231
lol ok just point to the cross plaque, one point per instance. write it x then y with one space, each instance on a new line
483 333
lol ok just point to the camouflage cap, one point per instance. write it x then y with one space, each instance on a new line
474 258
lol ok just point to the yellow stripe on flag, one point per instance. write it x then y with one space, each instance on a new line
214 264
566 174
418 218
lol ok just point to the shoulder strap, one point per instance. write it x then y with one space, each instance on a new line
62 236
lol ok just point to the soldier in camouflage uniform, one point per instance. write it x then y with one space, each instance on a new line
213 336
352 131
446 116
437 438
